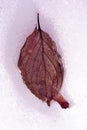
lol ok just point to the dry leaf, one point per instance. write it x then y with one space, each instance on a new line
41 67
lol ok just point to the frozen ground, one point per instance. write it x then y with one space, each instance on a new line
66 22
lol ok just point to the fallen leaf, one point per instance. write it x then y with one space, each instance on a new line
41 67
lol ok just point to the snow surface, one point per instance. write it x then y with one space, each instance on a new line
66 22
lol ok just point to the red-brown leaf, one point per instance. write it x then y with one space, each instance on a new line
41 67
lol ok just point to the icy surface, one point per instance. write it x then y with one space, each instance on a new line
66 22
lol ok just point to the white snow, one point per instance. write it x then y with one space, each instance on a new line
66 22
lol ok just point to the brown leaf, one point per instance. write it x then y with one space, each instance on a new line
41 67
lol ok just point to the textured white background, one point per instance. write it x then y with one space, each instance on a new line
66 22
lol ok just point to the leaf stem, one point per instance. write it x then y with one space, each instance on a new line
38 21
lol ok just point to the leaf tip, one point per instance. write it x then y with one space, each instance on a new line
63 103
